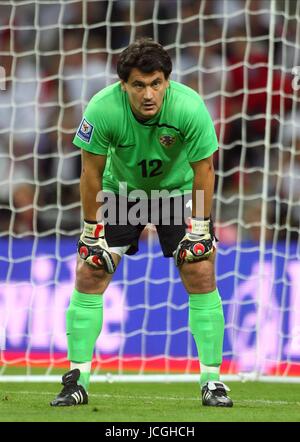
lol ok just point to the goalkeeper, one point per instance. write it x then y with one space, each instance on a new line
152 134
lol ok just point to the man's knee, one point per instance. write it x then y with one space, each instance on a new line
198 277
89 279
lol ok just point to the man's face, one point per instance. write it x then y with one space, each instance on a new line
145 92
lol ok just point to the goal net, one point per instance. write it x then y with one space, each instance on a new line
243 57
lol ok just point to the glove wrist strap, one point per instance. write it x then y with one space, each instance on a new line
198 226
93 230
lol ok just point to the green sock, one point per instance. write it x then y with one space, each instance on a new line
85 374
206 321
83 325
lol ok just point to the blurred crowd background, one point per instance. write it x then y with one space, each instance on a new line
58 54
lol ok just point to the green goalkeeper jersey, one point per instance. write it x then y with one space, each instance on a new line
151 155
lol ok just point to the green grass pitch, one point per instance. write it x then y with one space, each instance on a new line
150 402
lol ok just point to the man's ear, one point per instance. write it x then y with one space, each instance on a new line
123 85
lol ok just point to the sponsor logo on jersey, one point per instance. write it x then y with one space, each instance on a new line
167 140
85 130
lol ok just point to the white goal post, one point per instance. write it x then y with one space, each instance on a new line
243 57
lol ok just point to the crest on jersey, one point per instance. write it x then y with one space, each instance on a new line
167 140
85 130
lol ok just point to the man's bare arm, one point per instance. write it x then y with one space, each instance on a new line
204 179
197 244
91 183
92 246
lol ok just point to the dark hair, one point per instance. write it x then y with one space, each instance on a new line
145 55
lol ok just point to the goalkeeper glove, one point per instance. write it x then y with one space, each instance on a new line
93 249
197 244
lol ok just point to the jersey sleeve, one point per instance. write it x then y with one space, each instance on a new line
92 133
200 135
